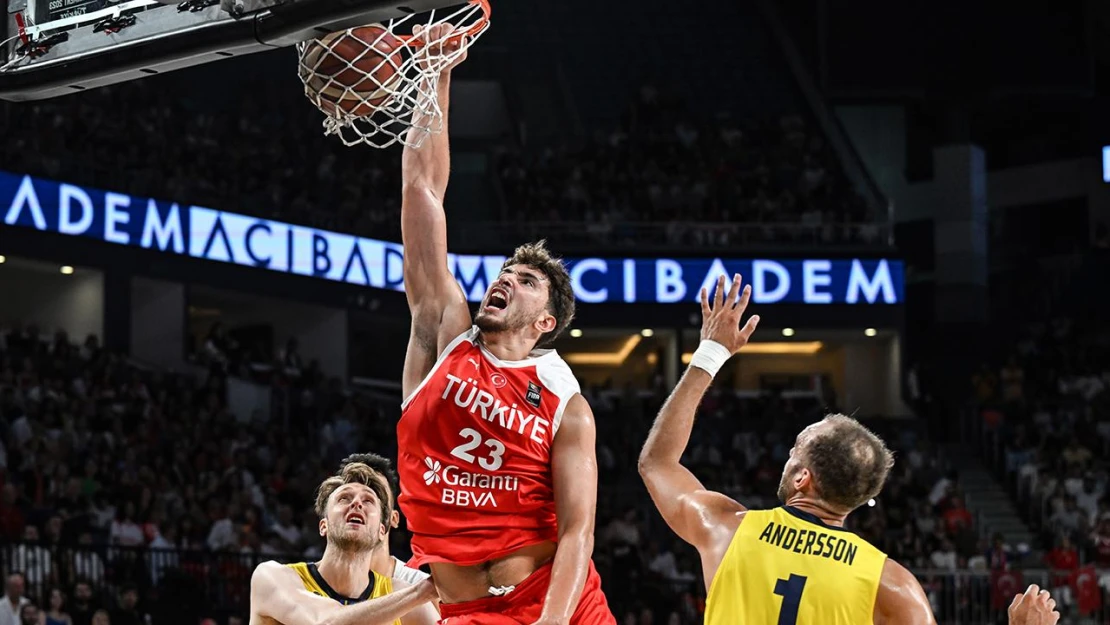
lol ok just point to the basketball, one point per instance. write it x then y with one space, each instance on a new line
352 70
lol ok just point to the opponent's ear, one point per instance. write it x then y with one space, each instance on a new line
803 481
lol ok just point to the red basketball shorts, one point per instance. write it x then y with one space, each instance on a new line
524 604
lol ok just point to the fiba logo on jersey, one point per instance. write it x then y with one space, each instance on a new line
498 380
533 395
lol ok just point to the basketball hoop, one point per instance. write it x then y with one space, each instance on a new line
380 89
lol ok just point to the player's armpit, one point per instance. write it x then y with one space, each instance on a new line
901 600
574 473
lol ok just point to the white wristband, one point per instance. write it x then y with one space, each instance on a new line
710 356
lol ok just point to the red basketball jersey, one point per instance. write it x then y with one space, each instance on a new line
474 453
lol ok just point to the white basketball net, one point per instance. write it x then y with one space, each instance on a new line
392 101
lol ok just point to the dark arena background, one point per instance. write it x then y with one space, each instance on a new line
201 308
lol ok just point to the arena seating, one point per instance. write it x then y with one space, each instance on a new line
147 138
1040 413
128 478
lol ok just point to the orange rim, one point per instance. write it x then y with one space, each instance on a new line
473 30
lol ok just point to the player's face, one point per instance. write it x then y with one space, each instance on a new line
516 300
354 520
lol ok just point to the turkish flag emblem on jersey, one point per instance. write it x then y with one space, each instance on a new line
1088 596
1004 585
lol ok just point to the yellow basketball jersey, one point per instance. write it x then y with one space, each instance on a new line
314 583
786 567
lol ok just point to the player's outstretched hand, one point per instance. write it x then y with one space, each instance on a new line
720 320
1035 607
442 50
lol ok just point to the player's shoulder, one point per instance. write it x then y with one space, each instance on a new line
900 598
555 374
272 571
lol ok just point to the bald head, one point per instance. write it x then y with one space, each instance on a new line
848 463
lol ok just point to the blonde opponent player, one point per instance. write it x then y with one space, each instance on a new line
341 589
795 564
495 442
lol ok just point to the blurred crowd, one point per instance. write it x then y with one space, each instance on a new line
1043 410
263 153
123 482
703 179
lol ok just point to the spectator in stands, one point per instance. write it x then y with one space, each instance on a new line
944 556
127 612
101 617
957 518
84 605
1100 541
29 615
1075 454
1063 561
14 600
125 532
1069 521
998 556
56 613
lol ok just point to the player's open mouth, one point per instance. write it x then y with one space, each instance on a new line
355 519
498 300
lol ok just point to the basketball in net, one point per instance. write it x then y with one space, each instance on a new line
354 71
377 84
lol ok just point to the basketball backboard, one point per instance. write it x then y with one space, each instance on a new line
56 47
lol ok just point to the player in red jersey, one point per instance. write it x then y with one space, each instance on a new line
495 443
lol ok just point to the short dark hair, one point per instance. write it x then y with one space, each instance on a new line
849 462
560 301
382 465
352 473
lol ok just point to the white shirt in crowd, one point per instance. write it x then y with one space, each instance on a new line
9 613
222 536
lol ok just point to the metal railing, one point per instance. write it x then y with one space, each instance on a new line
626 235
220 582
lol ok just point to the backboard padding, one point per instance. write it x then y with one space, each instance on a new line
164 39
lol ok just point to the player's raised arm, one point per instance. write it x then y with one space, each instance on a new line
438 306
694 513
277 593
574 476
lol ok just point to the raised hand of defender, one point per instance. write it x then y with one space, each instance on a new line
442 50
720 320
1035 607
